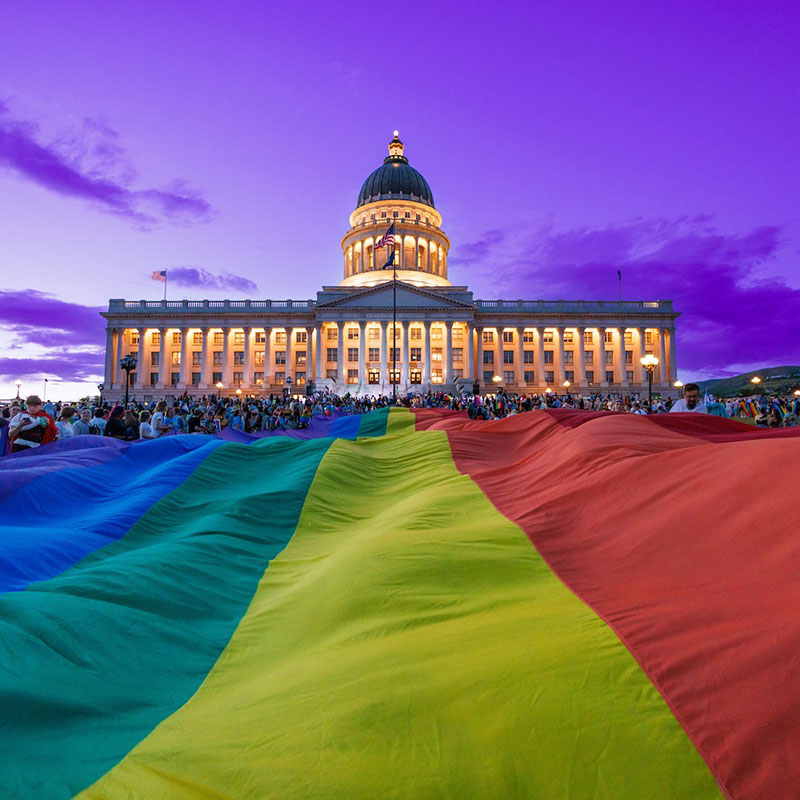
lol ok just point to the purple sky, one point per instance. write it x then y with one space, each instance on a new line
227 144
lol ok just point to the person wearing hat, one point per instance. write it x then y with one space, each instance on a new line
32 427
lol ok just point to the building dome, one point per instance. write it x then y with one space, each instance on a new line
395 180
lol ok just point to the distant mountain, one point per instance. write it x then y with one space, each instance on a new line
774 380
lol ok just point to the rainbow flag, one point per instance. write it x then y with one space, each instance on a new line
405 604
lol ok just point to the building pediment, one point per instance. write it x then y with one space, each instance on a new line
408 296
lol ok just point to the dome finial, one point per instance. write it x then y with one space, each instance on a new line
396 146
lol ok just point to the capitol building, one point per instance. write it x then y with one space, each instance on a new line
345 339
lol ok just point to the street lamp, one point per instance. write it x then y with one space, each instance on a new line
100 387
128 363
239 393
649 362
796 392
566 385
679 385
18 383
497 379
548 390
219 390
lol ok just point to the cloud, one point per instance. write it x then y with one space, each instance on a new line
199 278
90 165
71 334
731 315
66 367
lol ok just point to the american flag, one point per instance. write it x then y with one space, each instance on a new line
387 240
160 276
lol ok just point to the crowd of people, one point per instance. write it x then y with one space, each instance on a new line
32 423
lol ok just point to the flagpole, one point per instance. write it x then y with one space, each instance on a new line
165 286
619 281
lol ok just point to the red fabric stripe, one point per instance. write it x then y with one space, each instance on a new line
688 548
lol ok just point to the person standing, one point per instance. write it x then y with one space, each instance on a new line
690 401
32 427
64 424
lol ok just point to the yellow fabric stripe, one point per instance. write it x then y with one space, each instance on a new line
410 642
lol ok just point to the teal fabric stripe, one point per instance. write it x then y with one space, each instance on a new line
92 660
374 423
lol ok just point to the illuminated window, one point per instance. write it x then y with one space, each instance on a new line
238 337
628 337
176 358
258 358
238 357
588 337
416 333
280 337
176 337
352 376
608 336
436 376
458 354
374 376
436 354
458 333
218 337
300 378
527 337
134 337
237 378
155 337
280 377
261 337
547 337
374 333
436 334
416 354
197 338
352 333
416 376
567 337
301 337
300 357
332 334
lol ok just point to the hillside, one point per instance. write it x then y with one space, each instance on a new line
780 380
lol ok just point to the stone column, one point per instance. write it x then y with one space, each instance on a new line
470 363
448 364
289 366
385 360
205 373
362 347
186 368
140 358
268 370
309 354
162 359
621 355
227 371
405 377
426 372
247 366
520 357
662 358
580 367
639 372
479 354
108 373
559 367
673 356
319 361
538 359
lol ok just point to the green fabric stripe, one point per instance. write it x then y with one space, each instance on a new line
92 661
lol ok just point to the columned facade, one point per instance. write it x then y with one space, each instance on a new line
344 340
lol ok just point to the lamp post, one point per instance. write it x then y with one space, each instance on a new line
755 380
100 387
128 363
219 391
238 394
649 362
18 383
679 386
566 385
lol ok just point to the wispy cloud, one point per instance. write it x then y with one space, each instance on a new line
90 165
731 315
70 334
199 278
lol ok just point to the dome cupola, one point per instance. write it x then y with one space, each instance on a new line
395 180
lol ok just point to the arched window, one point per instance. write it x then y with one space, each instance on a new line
422 255
408 252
